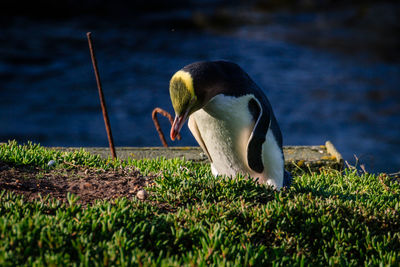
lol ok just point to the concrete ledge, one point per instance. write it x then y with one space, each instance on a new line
297 158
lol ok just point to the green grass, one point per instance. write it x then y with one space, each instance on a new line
330 218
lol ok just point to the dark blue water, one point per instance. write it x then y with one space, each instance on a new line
48 92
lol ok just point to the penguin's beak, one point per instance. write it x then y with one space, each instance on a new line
176 127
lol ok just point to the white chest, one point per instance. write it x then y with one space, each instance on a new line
225 124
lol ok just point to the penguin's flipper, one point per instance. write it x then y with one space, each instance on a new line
262 120
196 133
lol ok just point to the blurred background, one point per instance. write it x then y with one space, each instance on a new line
331 69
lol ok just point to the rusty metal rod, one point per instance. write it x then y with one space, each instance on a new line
157 124
102 100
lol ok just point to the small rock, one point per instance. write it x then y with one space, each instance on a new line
51 163
87 185
142 194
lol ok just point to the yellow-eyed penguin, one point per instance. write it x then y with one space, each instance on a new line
231 119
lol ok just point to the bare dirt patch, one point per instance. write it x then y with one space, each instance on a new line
87 183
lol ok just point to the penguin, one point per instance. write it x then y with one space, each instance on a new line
231 119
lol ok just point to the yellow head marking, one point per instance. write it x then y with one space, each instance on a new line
181 91
186 78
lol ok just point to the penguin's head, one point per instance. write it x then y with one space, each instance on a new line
184 99
193 86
